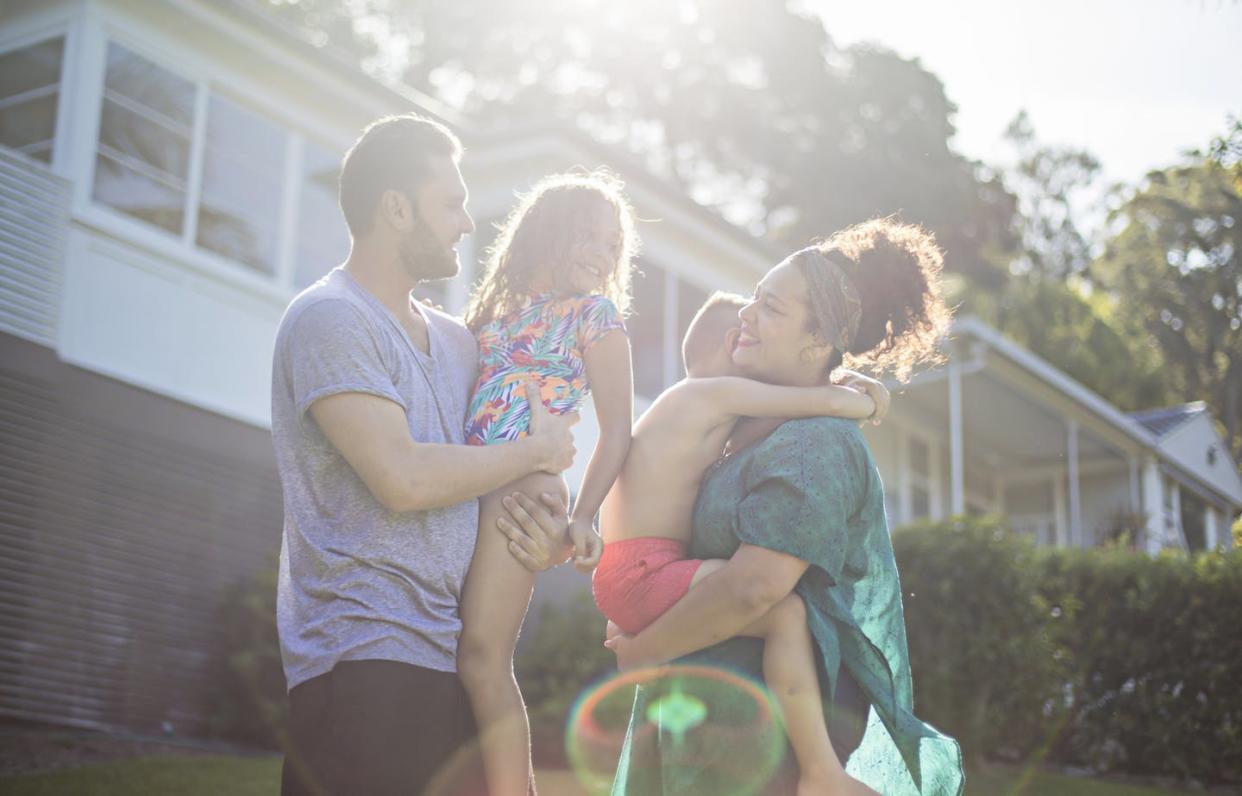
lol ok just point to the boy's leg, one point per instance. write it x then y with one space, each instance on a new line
790 673
494 601
381 727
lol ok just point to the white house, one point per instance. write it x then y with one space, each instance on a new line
167 185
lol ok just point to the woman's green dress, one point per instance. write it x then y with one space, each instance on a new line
811 490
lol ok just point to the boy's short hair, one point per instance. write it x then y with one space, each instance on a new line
391 154
707 329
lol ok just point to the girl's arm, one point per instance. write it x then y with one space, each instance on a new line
730 397
720 607
611 378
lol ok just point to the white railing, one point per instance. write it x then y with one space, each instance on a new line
1040 527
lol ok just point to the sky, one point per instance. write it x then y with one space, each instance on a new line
1135 82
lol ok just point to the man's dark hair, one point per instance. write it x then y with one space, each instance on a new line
391 154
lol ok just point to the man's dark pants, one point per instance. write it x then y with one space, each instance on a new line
373 727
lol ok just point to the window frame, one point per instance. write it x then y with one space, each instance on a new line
32 37
182 248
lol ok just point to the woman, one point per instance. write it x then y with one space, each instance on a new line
799 507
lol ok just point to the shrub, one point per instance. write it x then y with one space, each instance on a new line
986 667
563 658
248 685
1103 658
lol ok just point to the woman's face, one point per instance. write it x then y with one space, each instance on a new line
775 344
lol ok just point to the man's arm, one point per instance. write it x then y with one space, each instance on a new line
720 607
404 475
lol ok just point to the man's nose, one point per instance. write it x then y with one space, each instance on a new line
467 223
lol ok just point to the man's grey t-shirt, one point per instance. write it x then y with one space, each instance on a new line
358 581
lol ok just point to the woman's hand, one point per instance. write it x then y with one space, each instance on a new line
588 547
622 646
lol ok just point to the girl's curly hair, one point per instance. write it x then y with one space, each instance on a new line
543 228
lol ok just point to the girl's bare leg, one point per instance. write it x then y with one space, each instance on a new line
790 673
494 602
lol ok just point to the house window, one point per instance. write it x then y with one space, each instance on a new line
243 176
323 238
29 90
145 129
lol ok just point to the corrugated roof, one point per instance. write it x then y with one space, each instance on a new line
1162 422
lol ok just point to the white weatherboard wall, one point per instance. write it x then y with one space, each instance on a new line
1189 446
151 322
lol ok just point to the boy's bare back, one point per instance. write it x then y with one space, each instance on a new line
674 443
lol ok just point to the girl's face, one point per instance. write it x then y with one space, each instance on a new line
595 255
776 344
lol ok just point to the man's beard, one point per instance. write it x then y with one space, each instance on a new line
423 258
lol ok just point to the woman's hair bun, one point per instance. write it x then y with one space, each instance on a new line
896 269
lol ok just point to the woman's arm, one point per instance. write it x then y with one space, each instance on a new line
610 375
755 579
730 397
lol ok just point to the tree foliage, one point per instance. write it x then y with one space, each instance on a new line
756 113
1175 268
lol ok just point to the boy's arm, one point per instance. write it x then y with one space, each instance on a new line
372 434
729 397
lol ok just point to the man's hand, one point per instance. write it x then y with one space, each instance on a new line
536 531
552 432
588 547
874 389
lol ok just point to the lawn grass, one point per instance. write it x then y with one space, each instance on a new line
260 776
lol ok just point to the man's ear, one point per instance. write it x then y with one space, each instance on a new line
396 210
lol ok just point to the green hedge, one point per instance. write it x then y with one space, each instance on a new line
1105 658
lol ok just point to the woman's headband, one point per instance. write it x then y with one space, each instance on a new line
835 302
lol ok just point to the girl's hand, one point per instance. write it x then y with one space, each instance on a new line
588 547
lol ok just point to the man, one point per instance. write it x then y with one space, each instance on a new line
369 394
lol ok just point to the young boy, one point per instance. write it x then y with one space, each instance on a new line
646 519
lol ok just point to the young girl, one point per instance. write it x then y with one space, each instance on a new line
549 309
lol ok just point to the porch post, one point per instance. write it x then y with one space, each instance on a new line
1058 510
1075 498
1209 527
1153 505
1136 506
670 340
957 479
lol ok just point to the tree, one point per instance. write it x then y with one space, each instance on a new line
1175 266
752 110
1050 183
1049 304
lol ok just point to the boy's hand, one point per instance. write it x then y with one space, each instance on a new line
588 547
874 389
552 431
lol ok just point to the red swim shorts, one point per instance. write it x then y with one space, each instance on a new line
639 579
